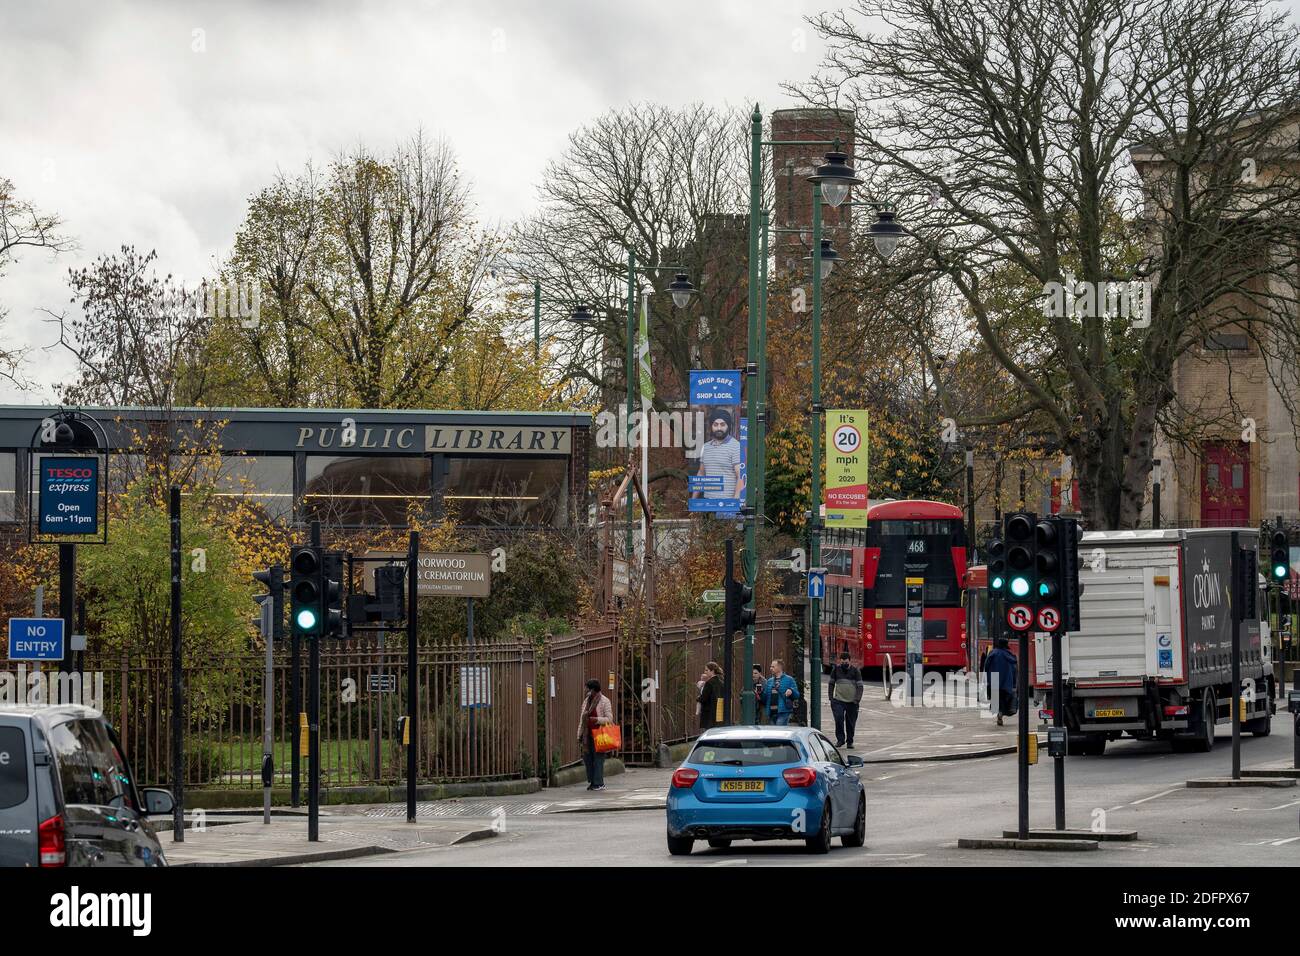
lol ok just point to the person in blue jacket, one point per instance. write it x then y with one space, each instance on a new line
779 695
1000 662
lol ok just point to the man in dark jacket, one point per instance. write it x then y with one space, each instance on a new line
710 696
845 690
1000 666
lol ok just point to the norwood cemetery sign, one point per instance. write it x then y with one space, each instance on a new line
445 574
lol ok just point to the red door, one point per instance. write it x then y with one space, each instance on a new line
1225 484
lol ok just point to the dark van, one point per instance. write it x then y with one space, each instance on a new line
67 797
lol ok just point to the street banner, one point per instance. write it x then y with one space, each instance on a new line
846 468
718 482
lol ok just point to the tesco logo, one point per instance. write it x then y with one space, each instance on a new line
69 472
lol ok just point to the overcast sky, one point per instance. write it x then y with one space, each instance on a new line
152 124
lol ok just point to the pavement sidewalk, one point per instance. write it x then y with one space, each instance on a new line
283 842
893 731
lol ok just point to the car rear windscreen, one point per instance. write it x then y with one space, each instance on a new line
13 767
745 753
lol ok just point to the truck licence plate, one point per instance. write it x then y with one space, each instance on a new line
1109 712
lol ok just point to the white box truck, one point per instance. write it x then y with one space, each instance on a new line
1153 658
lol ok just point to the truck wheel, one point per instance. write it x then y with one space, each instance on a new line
1260 726
1094 745
1205 742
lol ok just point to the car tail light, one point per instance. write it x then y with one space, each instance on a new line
684 777
800 776
1171 711
53 843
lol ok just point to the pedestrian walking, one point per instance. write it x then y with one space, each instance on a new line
759 682
780 694
845 691
710 698
1000 668
596 712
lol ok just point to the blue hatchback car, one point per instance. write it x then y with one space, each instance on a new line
766 783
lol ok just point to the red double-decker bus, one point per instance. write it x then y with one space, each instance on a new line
864 610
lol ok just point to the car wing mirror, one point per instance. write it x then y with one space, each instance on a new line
158 802
856 761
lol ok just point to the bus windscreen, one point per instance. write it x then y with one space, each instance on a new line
916 548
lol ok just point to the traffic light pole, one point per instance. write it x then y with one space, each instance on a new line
412 681
1022 720
815 426
728 638
178 683
313 717
1058 720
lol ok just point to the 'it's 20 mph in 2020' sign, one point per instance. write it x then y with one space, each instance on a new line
846 468
69 495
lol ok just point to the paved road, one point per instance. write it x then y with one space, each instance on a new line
917 811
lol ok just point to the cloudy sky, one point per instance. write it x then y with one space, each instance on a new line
151 124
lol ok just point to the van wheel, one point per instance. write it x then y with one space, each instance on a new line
859 835
821 842
1204 743
680 846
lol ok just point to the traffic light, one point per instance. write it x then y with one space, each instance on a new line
738 617
1047 563
306 610
1279 558
1018 536
332 593
997 553
273 578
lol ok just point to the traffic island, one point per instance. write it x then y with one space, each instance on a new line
1267 771
1211 783
1013 843
1100 835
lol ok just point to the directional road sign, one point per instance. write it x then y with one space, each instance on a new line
816 582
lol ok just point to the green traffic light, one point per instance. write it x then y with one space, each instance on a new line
1020 586
307 619
997 583
1279 570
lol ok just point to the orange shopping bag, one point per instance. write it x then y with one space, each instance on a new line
608 738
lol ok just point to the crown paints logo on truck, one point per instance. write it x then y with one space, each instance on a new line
1206 592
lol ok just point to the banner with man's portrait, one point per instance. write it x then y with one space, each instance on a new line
717 481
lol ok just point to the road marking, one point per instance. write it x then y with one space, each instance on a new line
1113 809
1162 793
740 862
1266 809
1283 842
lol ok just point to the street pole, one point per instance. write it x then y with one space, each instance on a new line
295 709
537 320
1237 620
67 598
1058 720
754 464
631 339
178 685
1021 505
728 637
815 426
268 703
472 696
412 683
1022 729
313 721
970 505
1155 495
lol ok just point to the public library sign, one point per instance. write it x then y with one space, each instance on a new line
507 439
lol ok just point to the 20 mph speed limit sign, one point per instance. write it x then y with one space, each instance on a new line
1049 618
847 439
1020 617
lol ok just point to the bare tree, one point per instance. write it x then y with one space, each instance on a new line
1029 143
672 187
23 226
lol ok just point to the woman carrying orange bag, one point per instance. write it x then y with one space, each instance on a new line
597 711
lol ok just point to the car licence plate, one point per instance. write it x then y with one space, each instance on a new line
742 786
1109 712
